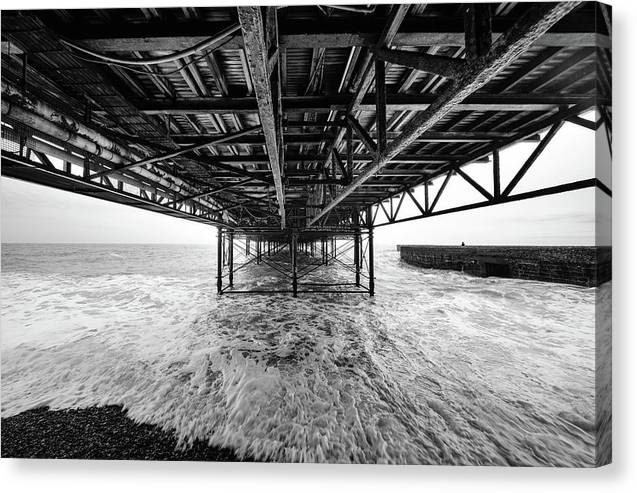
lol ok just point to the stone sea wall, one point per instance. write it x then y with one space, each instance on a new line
583 266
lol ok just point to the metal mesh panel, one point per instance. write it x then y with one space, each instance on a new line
13 137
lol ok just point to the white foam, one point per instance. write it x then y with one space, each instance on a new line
438 368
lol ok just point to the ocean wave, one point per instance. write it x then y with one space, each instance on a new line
438 368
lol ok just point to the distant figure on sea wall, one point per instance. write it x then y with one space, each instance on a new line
462 244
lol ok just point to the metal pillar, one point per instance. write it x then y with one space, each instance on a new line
357 246
496 174
370 248
293 254
219 260
224 253
324 250
230 258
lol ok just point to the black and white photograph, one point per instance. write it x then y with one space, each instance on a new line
307 233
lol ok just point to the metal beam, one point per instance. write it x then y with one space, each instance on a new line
532 158
211 192
416 31
180 152
318 137
477 27
381 105
433 64
362 134
341 102
20 168
254 31
309 157
566 187
530 26
364 78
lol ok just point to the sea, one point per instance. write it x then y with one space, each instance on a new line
438 368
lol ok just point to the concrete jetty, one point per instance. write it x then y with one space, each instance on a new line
580 265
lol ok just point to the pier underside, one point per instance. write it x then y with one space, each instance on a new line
303 263
298 130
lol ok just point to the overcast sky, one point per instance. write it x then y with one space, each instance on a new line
32 213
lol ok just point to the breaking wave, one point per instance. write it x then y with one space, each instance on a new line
438 368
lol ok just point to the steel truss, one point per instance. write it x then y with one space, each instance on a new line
295 256
448 91
386 211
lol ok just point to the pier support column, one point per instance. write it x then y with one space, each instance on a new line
370 248
219 260
324 250
231 258
357 246
293 253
